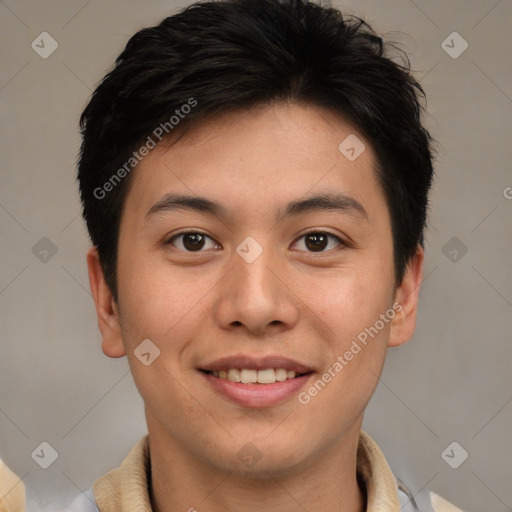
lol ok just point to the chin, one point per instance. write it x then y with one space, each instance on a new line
265 467
262 458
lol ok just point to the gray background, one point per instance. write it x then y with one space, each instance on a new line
451 382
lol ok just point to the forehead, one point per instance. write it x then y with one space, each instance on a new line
261 158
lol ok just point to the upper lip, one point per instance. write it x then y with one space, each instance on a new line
256 363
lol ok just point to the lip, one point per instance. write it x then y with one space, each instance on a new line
257 395
256 363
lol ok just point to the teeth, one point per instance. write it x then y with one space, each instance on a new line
266 376
234 375
249 376
280 374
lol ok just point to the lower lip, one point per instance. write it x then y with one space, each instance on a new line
257 395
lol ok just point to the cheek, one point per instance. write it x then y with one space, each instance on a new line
348 300
357 309
354 355
157 300
349 308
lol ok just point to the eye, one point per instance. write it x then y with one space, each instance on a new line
195 241
317 241
191 241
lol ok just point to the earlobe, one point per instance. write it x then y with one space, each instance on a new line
106 308
404 322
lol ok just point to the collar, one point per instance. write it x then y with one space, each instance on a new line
126 489
12 491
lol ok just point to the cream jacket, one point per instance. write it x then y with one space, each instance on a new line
125 489
12 491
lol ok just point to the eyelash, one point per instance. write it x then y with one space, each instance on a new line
315 231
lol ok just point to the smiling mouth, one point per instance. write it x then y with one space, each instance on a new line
252 376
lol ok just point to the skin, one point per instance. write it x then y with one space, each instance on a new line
292 301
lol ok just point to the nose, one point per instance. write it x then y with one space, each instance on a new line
256 296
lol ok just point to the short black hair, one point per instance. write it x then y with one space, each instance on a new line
230 55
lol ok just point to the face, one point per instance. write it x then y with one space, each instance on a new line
301 298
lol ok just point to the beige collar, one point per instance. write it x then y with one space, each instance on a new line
126 489
12 491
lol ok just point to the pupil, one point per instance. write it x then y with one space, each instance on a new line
197 241
314 241
318 241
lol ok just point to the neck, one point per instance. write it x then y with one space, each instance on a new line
179 481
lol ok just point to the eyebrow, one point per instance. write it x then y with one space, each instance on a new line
315 202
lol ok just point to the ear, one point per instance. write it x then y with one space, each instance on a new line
106 307
404 321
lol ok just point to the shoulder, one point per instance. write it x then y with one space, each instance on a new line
386 491
423 501
12 491
85 502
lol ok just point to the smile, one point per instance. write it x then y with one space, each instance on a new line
251 376
252 381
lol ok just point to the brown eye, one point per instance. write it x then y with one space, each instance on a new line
191 241
317 241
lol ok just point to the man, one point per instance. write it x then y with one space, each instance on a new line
254 177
